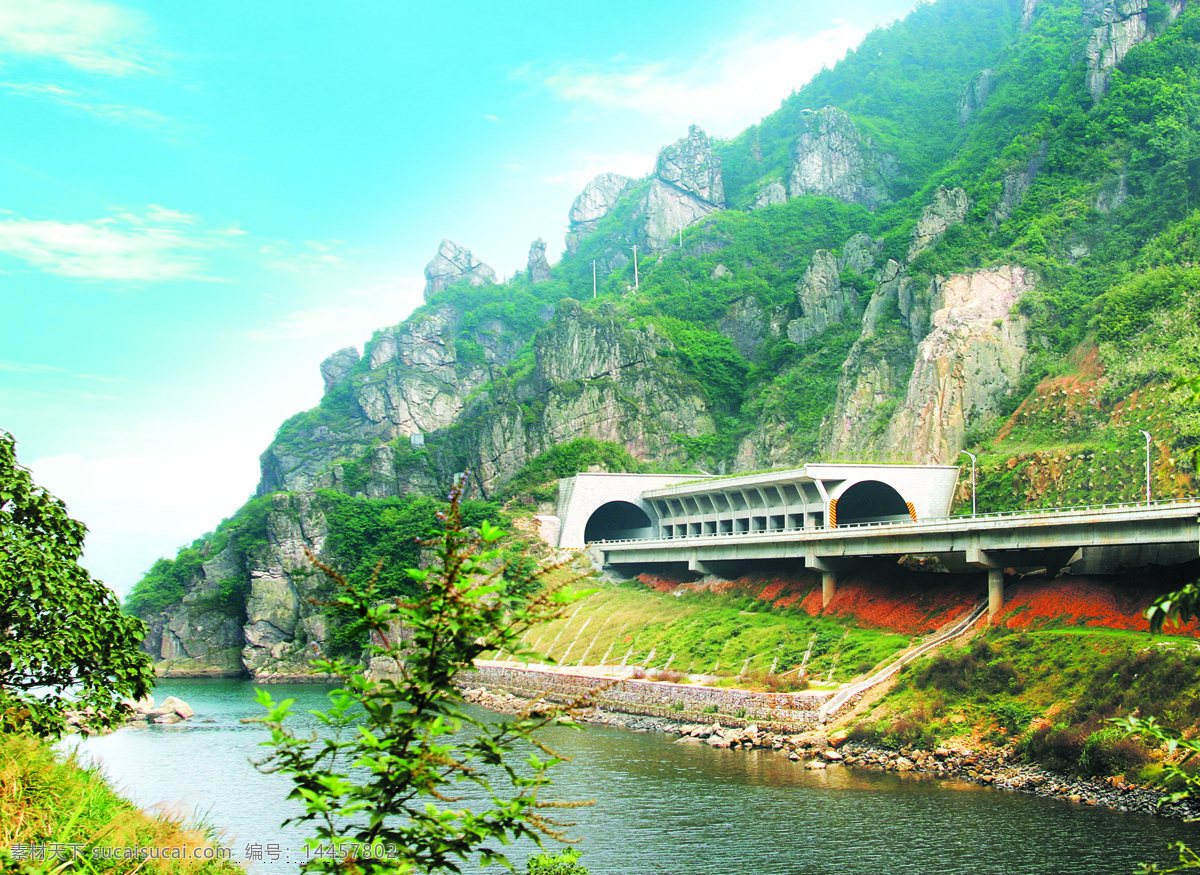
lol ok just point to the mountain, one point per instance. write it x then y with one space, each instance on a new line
977 231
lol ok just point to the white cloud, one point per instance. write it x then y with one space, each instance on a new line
54 371
158 244
92 36
95 105
723 91
310 256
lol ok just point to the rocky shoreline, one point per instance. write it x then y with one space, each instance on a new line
817 750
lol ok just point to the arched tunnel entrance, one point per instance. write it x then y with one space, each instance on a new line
616 521
871 502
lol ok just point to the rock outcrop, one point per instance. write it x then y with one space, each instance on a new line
594 203
949 207
772 193
285 627
337 367
1121 25
1017 183
415 382
253 607
975 94
454 264
970 360
201 636
821 297
597 377
876 373
690 165
686 187
666 211
538 267
831 158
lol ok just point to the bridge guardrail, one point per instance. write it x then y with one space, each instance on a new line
1074 510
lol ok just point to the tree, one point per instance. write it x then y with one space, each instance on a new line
64 643
377 786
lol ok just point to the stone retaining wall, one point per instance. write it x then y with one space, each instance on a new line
783 711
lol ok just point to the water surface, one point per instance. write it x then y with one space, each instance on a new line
661 808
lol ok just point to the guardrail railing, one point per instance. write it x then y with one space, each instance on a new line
931 522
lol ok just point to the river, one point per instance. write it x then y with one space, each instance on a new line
660 808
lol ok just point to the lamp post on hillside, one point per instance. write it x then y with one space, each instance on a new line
1147 434
973 460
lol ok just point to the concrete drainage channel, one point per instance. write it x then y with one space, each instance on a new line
830 708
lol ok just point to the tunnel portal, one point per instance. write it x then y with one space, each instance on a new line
870 501
617 520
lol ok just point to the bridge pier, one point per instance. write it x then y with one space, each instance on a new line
828 586
828 578
995 592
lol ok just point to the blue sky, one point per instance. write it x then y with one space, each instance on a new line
200 201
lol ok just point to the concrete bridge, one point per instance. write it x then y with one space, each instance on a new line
830 517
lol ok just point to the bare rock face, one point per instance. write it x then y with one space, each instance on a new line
416 381
666 211
1121 25
975 94
338 366
594 203
284 630
689 164
686 187
949 207
875 371
596 377
221 630
823 300
771 194
424 389
971 358
199 637
453 264
538 267
1017 183
1028 7
831 158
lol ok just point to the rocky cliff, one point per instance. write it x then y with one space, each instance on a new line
252 607
838 283
832 158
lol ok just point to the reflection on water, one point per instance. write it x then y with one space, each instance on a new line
661 808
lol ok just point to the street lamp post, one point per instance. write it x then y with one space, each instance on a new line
1147 434
973 460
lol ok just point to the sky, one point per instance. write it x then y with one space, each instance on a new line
201 201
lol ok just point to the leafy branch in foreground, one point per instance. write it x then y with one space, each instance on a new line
65 646
1178 607
377 781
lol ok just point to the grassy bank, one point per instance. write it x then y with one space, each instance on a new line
1064 658
1049 692
59 816
730 633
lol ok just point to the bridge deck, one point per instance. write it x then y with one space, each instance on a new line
1164 522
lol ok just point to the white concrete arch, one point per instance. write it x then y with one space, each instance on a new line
579 497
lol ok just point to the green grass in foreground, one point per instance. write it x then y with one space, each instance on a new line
49 803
